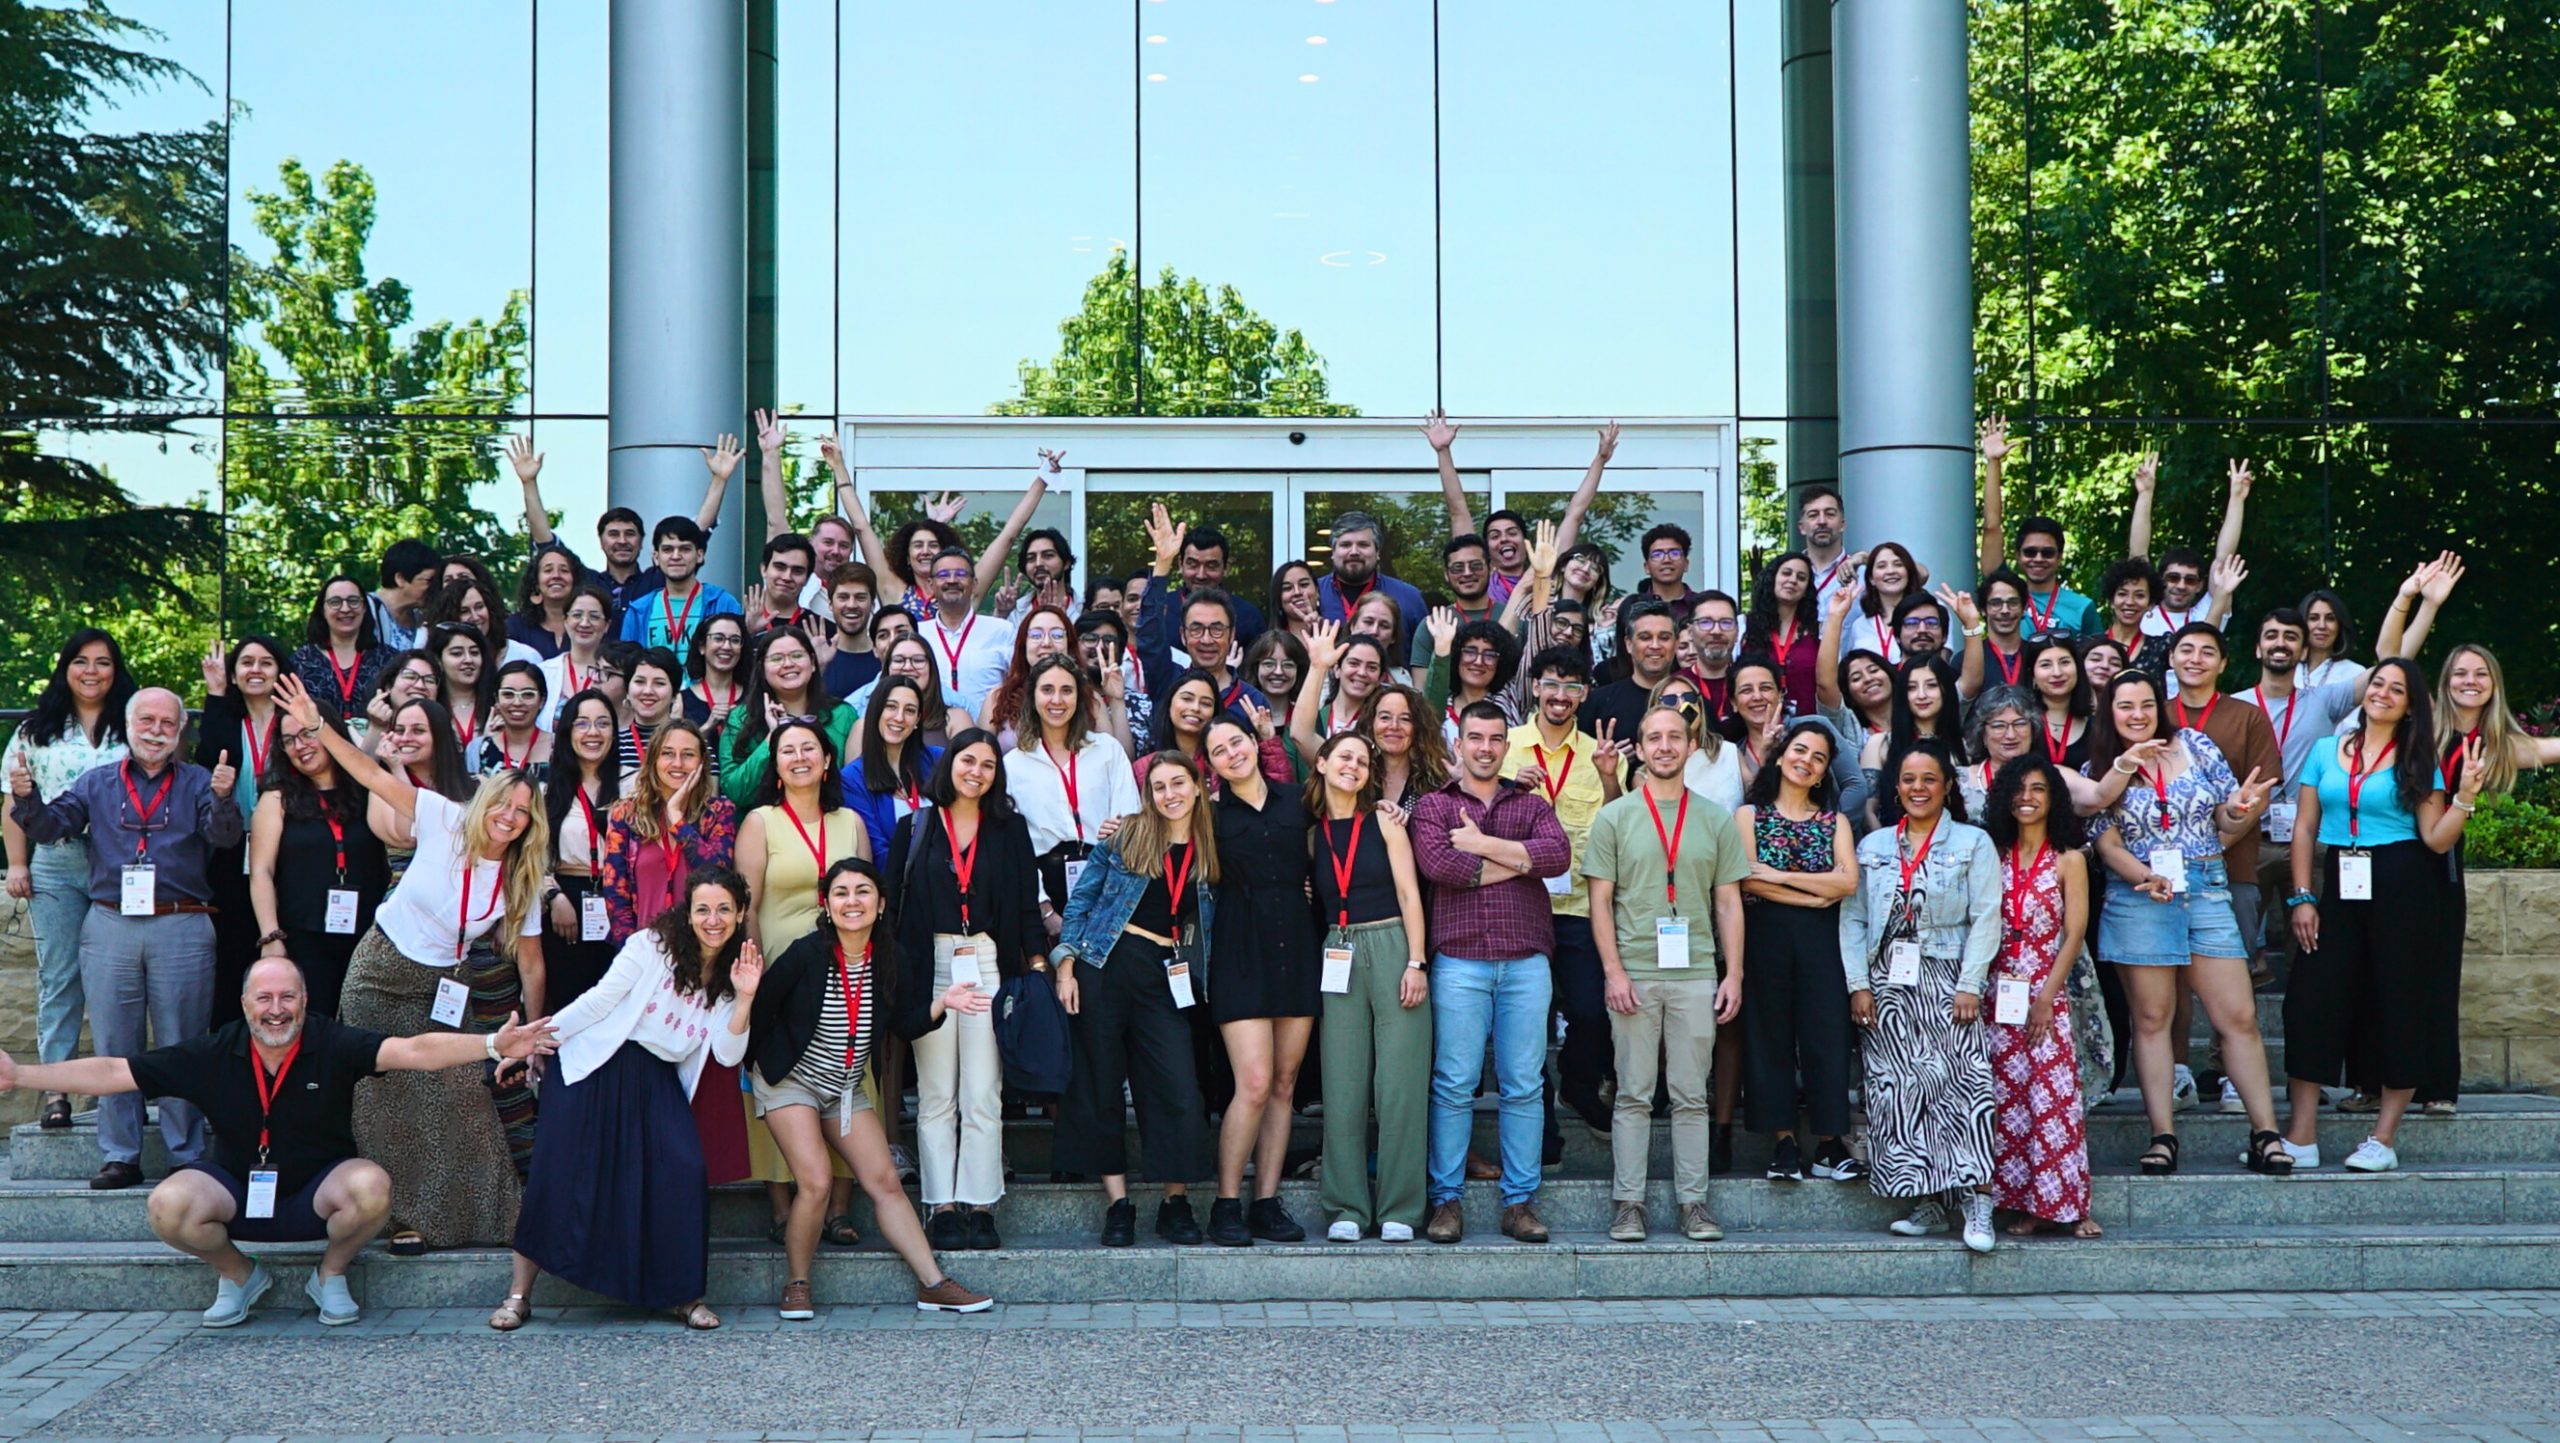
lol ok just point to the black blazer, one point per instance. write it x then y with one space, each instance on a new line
1004 896
784 1018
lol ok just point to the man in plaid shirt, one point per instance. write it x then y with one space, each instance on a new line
1484 843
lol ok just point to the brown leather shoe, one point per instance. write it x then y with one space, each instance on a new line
1479 1170
1520 1224
949 1296
1448 1222
797 1306
114 1175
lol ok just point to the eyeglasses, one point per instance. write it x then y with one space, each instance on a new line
1046 633
518 694
1924 623
1205 628
1463 568
951 576
592 724
2004 603
1550 686
2039 553
298 738
1484 654
606 673
1665 553
344 603
2006 724
1714 624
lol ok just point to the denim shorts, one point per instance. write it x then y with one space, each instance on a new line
2134 931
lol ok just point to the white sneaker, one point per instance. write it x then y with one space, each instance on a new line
1345 1231
2182 1092
904 1161
2305 1157
329 1294
1395 1232
1929 1217
232 1301
2372 1155
2231 1098
1977 1222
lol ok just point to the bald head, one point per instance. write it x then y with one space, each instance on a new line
272 998
153 721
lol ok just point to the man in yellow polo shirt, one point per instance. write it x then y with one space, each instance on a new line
1577 773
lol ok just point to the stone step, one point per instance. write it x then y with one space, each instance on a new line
2119 1199
1576 1265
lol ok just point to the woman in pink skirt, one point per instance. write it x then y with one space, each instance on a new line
2040 1151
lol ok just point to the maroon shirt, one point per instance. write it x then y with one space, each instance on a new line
1478 911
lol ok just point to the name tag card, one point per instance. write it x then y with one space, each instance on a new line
262 1193
595 924
341 916
453 1000
1075 872
1902 964
2171 863
964 965
1671 943
1177 976
2355 877
1560 885
2278 821
2009 1001
1337 970
141 890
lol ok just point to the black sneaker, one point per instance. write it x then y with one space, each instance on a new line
1786 1161
1176 1224
1586 1104
1719 1148
1833 1162
1226 1223
947 1231
1120 1224
1271 1222
982 1231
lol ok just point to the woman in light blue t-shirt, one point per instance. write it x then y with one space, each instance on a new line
2372 956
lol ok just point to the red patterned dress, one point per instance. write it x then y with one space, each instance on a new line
2040 1151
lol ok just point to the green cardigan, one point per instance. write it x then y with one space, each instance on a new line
742 774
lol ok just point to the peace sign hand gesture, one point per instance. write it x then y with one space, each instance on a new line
2251 795
217 676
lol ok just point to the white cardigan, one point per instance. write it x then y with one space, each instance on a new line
637 1002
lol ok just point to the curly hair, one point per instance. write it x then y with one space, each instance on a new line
697 975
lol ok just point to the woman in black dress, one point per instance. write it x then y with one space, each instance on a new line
238 721
316 871
1263 984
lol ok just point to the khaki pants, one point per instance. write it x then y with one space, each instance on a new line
1670 1038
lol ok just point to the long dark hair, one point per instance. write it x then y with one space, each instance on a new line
942 791
876 773
1888 785
1763 792
934 713
884 937
2413 775
2063 829
54 711
2104 744
747 725
2080 702
697 653
1760 626
2346 623
440 636
1948 729
560 786
446 776
302 801
830 781
1870 602
1030 729
315 631
696 974
529 583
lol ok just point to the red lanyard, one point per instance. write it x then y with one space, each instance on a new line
569 670
964 862
677 621
2159 781
1349 599
1884 637
1555 776
142 815
1067 775
734 689
593 834
2170 623
852 999
1784 642
345 677
1670 845
1342 864
674 851
1830 576
1175 877
951 653
268 1089
2055 743
2008 662
249 738
1232 693
337 837
2357 772
1911 864
2013 898
507 760
915 794
2292 705
817 849
2044 619
2179 707
464 730
462 914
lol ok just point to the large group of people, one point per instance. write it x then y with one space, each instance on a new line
642 887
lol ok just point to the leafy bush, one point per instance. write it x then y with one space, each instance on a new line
2513 831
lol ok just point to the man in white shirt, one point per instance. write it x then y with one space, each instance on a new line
971 649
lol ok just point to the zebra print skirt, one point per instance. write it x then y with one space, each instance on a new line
1928 1089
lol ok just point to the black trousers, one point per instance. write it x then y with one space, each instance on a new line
1127 1031
2384 987
1795 1020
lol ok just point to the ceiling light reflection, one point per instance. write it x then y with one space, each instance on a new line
1308 79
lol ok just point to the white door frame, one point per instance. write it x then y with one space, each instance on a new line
1290 457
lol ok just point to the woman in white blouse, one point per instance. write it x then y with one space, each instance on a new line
584 783
617 1202
1072 785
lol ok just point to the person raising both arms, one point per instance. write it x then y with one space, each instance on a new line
905 562
618 532
2051 606
1505 534
2183 573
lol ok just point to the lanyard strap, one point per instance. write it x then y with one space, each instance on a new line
2013 898
2055 743
463 731
2052 602
249 738
852 1000
1343 863
1785 641
594 833
1670 845
1554 778
2292 704
462 914
817 849
344 676
2008 662
337 837
269 1089
2178 706
2357 771
677 620
1067 775
1175 877
964 861
1911 863
2159 781
951 653
507 759
142 815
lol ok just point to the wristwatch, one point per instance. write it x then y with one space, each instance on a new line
1416 964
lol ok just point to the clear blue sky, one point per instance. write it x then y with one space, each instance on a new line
994 150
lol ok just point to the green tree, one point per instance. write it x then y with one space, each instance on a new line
337 442
110 314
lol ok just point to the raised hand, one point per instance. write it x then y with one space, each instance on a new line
1324 646
2228 574
295 700
526 461
1052 460
1260 716
759 616
945 508
22 783
1961 603
2448 575
747 973
1437 430
2242 478
1008 594
1842 600
1542 550
770 433
217 676
225 775
831 451
2252 793
1608 444
1053 592
1165 535
1443 625
1606 747
1995 438
723 456
2416 581
2475 769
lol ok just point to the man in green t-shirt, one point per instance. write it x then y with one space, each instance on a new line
1661 862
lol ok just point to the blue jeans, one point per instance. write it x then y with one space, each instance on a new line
59 907
1471 1002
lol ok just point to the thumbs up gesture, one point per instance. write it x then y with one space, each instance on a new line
225 776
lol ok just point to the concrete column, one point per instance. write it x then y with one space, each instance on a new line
764 301
1905 238
679 237
1813 316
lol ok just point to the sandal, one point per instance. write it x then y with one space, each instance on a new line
2160 1159
512 1313
2267 1155
56 1113
841 1233
2087 1228
773 1234
407 1243
2439 1108
698 1317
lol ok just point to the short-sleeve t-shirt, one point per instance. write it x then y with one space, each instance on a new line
1625 850
423 914
2380 819
312 1128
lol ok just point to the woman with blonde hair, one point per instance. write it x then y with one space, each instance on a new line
478 870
